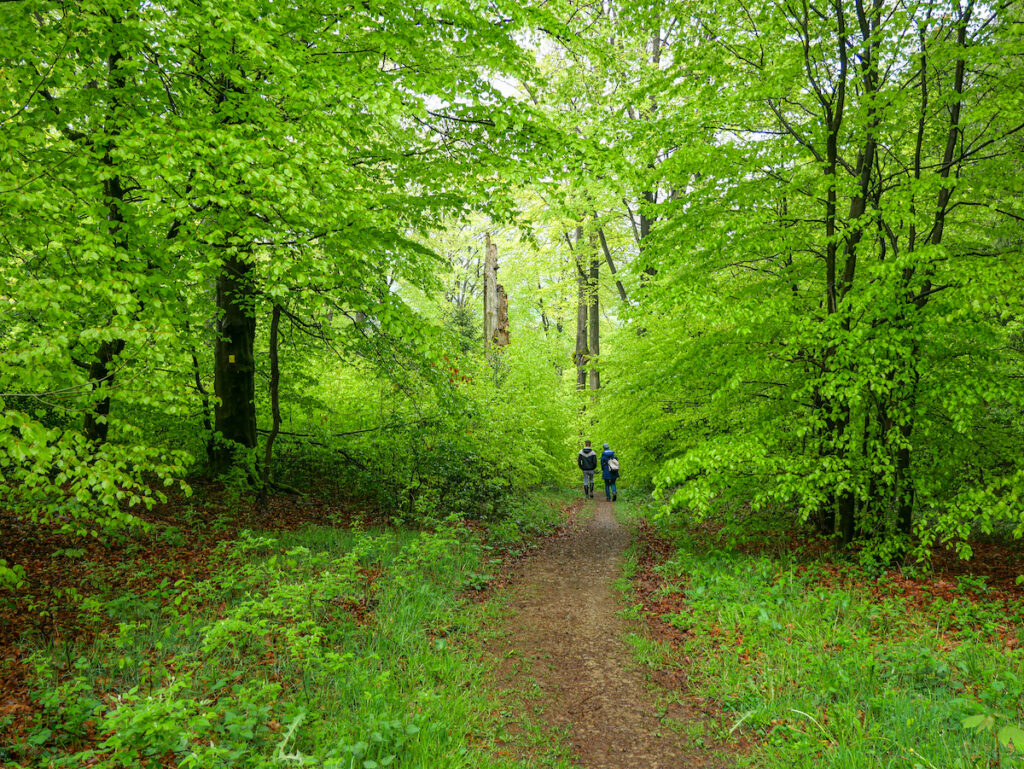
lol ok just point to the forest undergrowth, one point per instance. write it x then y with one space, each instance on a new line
303 634
812 660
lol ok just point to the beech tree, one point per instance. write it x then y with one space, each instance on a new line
840 306
175 171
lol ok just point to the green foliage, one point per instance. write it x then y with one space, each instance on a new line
829 301
53 475
327 647
311 152
457 435
11 577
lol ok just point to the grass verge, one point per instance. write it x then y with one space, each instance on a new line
342 648
825 665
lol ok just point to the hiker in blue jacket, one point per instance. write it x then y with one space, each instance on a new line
609 474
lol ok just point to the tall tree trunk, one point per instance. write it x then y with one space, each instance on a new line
846 500
275 398
594 329
234 364
501 333
582 352
826 516
906 493
204 397
837 419
650 196
101 377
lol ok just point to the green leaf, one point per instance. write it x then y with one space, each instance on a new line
1011 735
980 722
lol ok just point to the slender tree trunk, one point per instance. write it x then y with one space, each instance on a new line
611 265
826 517
594 330
582 352
234 365
650 196
205 400
275 396
905 490
502 335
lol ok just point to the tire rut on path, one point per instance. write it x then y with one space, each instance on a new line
564 626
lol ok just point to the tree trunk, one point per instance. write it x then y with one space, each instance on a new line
490 290
650 196
594 334
904 485
101 378
825 518
501 332
611 265
205 400
234 365
582 352
843 502
275 396
840 504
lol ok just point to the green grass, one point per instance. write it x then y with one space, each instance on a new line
828 668
324 647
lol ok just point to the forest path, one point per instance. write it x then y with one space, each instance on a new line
563 633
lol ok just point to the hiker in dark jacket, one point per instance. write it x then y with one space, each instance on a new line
587 460
610 475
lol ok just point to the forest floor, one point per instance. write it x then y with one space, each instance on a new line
610 648
63 570
562 646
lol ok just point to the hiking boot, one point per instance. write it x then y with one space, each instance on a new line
614 497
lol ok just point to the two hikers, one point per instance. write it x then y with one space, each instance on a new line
587 461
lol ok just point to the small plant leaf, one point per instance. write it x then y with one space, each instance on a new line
981 721
1011 734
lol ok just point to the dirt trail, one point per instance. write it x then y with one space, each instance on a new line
564 630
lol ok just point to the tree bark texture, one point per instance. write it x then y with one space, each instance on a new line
593 311
101 377
275 395
501 332
234 364
611 266
582 352
490 290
